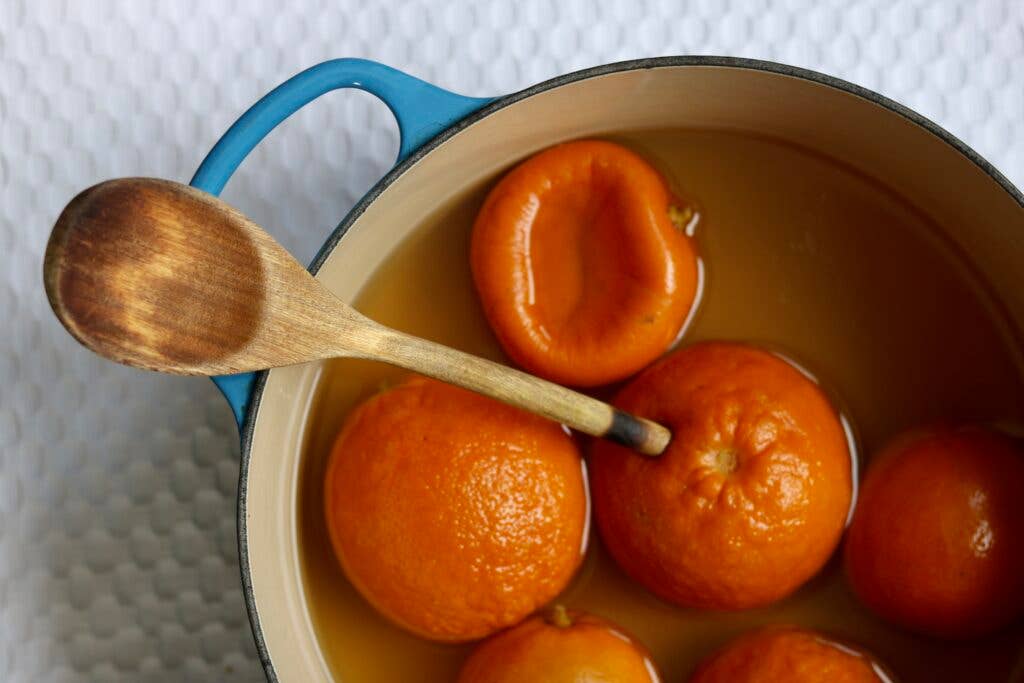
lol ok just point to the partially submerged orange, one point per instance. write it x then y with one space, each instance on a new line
788 655
560 647
453 514
751 496
937 539
582 265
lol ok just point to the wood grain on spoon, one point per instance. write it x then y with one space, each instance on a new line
159 275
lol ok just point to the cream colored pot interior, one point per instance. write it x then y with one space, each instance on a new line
978 214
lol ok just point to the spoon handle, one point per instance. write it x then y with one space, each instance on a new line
162 276
533 394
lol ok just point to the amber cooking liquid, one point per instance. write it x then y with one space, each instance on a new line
803 255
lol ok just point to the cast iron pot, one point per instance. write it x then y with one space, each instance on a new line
449 141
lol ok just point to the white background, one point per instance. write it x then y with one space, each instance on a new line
117 487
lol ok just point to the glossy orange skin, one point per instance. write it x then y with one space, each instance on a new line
590 650
749 499
786 655
937 539
454 515
582 275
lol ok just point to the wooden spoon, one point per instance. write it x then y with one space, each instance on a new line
159 275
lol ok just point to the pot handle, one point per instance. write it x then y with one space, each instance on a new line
421 110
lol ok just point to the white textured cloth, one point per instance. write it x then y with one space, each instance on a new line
117 487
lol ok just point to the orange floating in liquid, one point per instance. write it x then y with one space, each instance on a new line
582 265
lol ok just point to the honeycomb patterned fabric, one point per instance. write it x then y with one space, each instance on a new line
117 487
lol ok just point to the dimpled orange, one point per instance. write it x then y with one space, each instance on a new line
453 514
750 498
786 655
937 540
582 265
563 647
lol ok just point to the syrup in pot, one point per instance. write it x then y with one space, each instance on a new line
802 255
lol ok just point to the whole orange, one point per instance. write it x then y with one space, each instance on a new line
937 539
787 655
453 514
560 647
751 496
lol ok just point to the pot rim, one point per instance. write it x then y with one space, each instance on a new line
498 103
